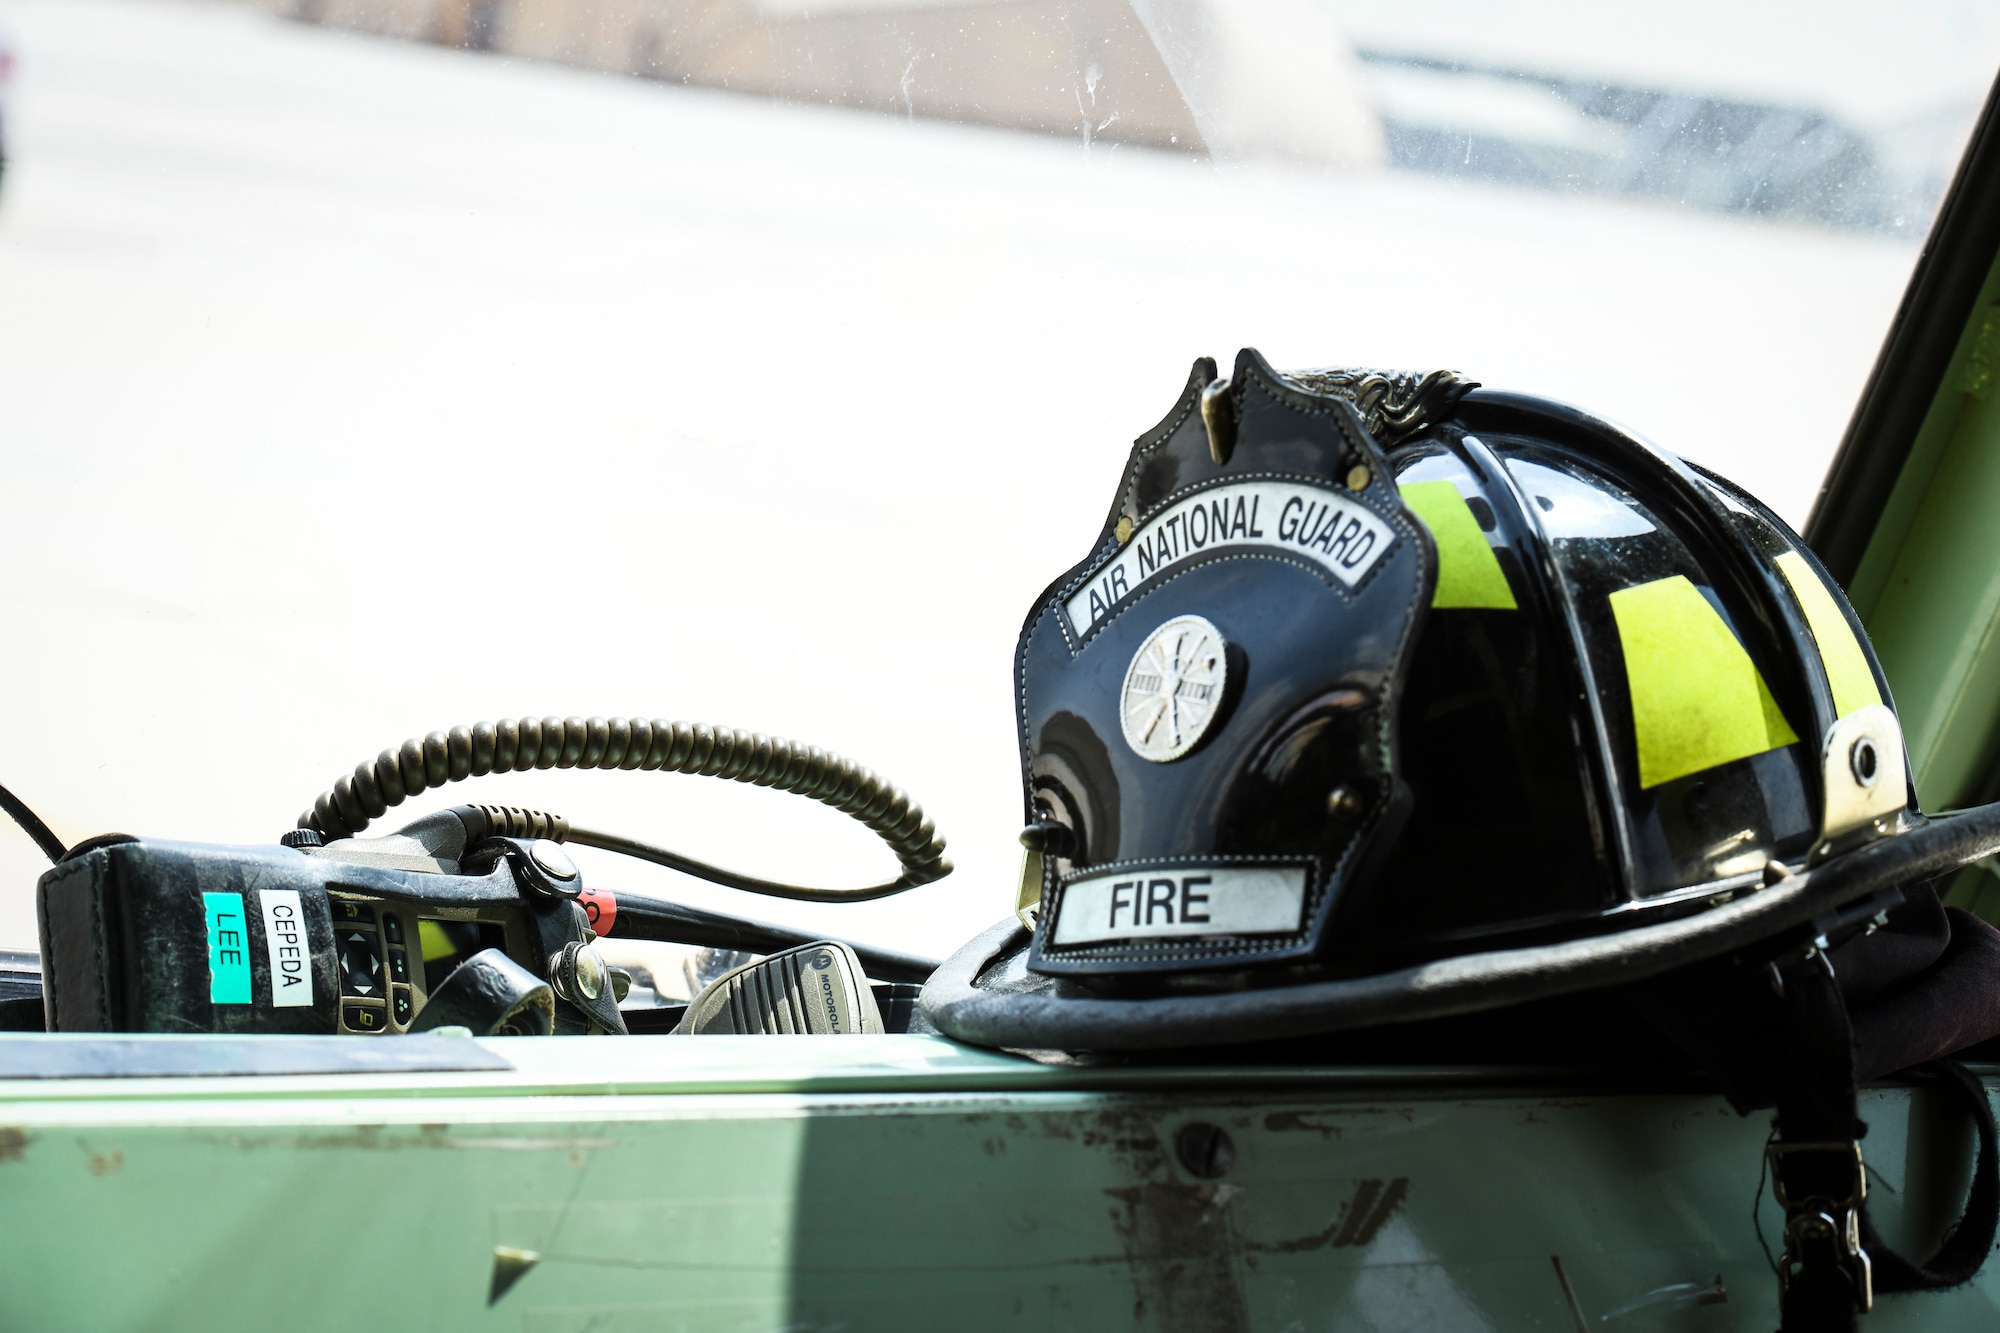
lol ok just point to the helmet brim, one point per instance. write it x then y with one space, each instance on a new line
984 994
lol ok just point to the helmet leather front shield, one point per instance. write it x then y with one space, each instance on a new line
1208 702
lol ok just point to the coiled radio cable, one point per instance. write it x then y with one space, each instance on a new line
516 745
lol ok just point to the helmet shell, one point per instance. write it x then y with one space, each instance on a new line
1541 810
1589 716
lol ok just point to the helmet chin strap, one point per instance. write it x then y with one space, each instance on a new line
1967 1244
1834 1261
1825 1279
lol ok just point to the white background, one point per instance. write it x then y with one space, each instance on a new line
351 388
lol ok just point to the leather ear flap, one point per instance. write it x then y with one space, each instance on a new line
1925 986
1953 1004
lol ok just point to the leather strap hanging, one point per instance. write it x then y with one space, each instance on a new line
1834 1261
1966 1245
1825 1281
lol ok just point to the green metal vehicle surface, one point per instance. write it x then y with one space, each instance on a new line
750 1183
909 1182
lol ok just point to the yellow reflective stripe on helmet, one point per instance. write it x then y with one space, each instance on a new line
1697 698
1469 576
1847 672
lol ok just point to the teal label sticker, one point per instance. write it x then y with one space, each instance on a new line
228 949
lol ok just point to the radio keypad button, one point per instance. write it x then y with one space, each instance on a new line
360 963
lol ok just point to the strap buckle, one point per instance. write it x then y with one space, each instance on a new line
1821 1187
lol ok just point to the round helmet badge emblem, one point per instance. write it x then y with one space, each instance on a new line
1173 688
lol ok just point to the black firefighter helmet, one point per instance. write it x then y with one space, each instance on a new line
1384 698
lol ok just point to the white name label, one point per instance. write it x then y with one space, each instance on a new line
1175 901
285 942
1331 529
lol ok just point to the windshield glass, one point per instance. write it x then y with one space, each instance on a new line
371 366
